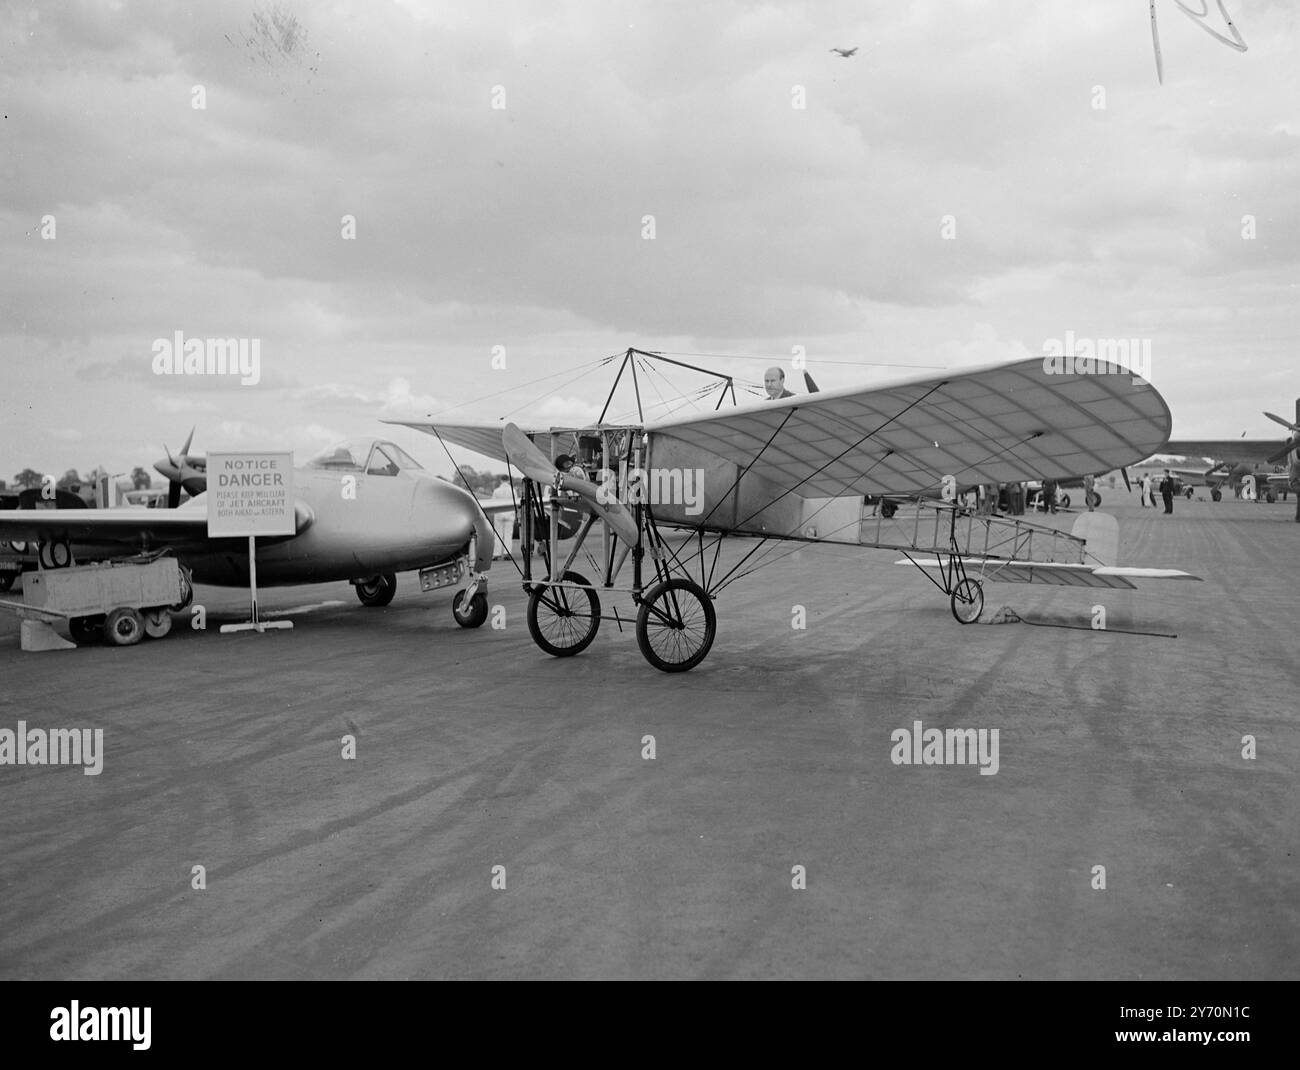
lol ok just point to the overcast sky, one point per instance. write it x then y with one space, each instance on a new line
499 161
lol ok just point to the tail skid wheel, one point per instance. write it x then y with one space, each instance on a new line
967 601
562 620
676 625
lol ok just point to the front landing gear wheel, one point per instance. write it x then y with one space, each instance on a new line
967 601
676 625
474 615
378 590
563 621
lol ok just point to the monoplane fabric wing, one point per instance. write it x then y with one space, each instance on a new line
484 438
999 424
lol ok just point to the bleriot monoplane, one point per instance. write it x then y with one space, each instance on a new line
800 469
364 511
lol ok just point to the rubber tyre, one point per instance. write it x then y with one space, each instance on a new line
681 607
86 629
475 615
1063 502
123 627
377 591
888 509
157 622
1216 495
7 580
548 605
54 555
968 601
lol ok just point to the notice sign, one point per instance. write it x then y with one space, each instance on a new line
250 494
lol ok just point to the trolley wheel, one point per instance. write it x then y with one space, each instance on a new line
888 508
1063 501
562 621
378 590
86 629
54 554
474 615
1216 495
968 601
157 622
676 625
123 626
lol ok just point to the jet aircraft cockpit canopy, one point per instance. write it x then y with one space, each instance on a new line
374 457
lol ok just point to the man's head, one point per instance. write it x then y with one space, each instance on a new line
1166 471
774 382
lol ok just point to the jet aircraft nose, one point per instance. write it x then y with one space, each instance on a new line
452 516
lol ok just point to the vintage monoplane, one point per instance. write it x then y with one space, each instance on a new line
801 469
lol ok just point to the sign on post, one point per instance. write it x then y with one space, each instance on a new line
251 494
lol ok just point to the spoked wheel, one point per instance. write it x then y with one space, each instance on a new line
968 601
676 625
378 590
563 621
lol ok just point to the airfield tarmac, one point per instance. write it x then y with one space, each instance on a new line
475 750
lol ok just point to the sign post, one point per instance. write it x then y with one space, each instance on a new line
251 494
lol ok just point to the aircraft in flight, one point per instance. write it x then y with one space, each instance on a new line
364 511
799 469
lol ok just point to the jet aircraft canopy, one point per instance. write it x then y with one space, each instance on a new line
374 457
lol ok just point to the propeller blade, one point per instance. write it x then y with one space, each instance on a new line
1127 485
173 494
604 504
525 455
808 382
1280 456
1285 423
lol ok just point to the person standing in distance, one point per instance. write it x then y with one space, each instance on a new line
1167 492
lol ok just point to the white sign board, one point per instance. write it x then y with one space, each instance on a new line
250 494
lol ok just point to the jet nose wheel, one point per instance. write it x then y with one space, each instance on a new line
967 601
473 615
378 590
563 620
675 625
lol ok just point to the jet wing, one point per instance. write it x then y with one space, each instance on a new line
131 527
1000 424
